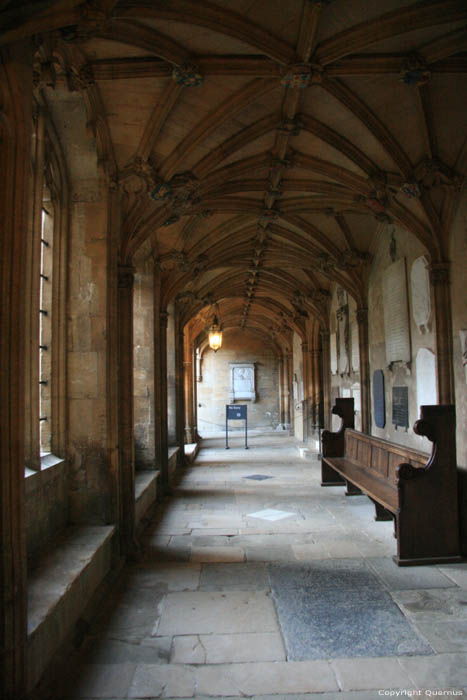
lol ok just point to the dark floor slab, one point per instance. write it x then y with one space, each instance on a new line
234 577
323 574
258 477
353 617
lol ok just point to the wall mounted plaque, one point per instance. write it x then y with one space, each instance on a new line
396 315
425 364
379 401
400 406
242 381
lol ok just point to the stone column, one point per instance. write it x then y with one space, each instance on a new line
15 156
363 345
289 412
171 380
179 390
306 389
281 383
439 278
125 409
188 388
326 362
315 356
160 389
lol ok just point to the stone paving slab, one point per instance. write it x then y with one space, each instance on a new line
216 613
260 678
443 671
231 577
433 605
371 673
175 681
227 648
397 578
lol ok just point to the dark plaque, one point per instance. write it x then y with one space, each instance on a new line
400 406
236 412
379 403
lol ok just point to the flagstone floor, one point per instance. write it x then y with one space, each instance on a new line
257 582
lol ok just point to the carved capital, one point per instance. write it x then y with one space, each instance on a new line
126 276
163 319
439 273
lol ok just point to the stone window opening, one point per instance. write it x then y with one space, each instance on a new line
45 329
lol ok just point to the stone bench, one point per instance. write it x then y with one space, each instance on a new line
59 590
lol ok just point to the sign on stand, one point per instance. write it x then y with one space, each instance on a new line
235 412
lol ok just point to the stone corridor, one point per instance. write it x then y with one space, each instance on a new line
257 582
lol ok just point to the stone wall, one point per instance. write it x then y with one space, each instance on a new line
213 390
46 506
87 358
408 247
143 329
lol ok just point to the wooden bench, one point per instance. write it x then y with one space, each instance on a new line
418 490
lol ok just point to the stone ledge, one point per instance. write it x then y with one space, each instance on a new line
59 590
173 458
191 451
146 483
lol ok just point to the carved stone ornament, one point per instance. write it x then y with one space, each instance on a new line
439 273
414 71
81 78
301 75
187 75
411 190
431 172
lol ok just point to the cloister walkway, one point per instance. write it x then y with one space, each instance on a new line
255 581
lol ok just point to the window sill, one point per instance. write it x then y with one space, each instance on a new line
51 467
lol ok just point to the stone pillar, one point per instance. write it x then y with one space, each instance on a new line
439 278
179 389
306 389
15 156
326 364
125 409
315 356
364 348
188 388
171 380
160 386
281 383
289 412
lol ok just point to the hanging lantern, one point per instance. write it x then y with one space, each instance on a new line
215 335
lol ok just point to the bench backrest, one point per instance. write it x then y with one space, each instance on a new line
380 456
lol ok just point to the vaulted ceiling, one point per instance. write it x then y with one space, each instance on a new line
261 146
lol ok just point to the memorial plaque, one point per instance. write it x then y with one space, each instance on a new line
379 401
396 317
242 381
400 406
421 295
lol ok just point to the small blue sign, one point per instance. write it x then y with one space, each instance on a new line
234 412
